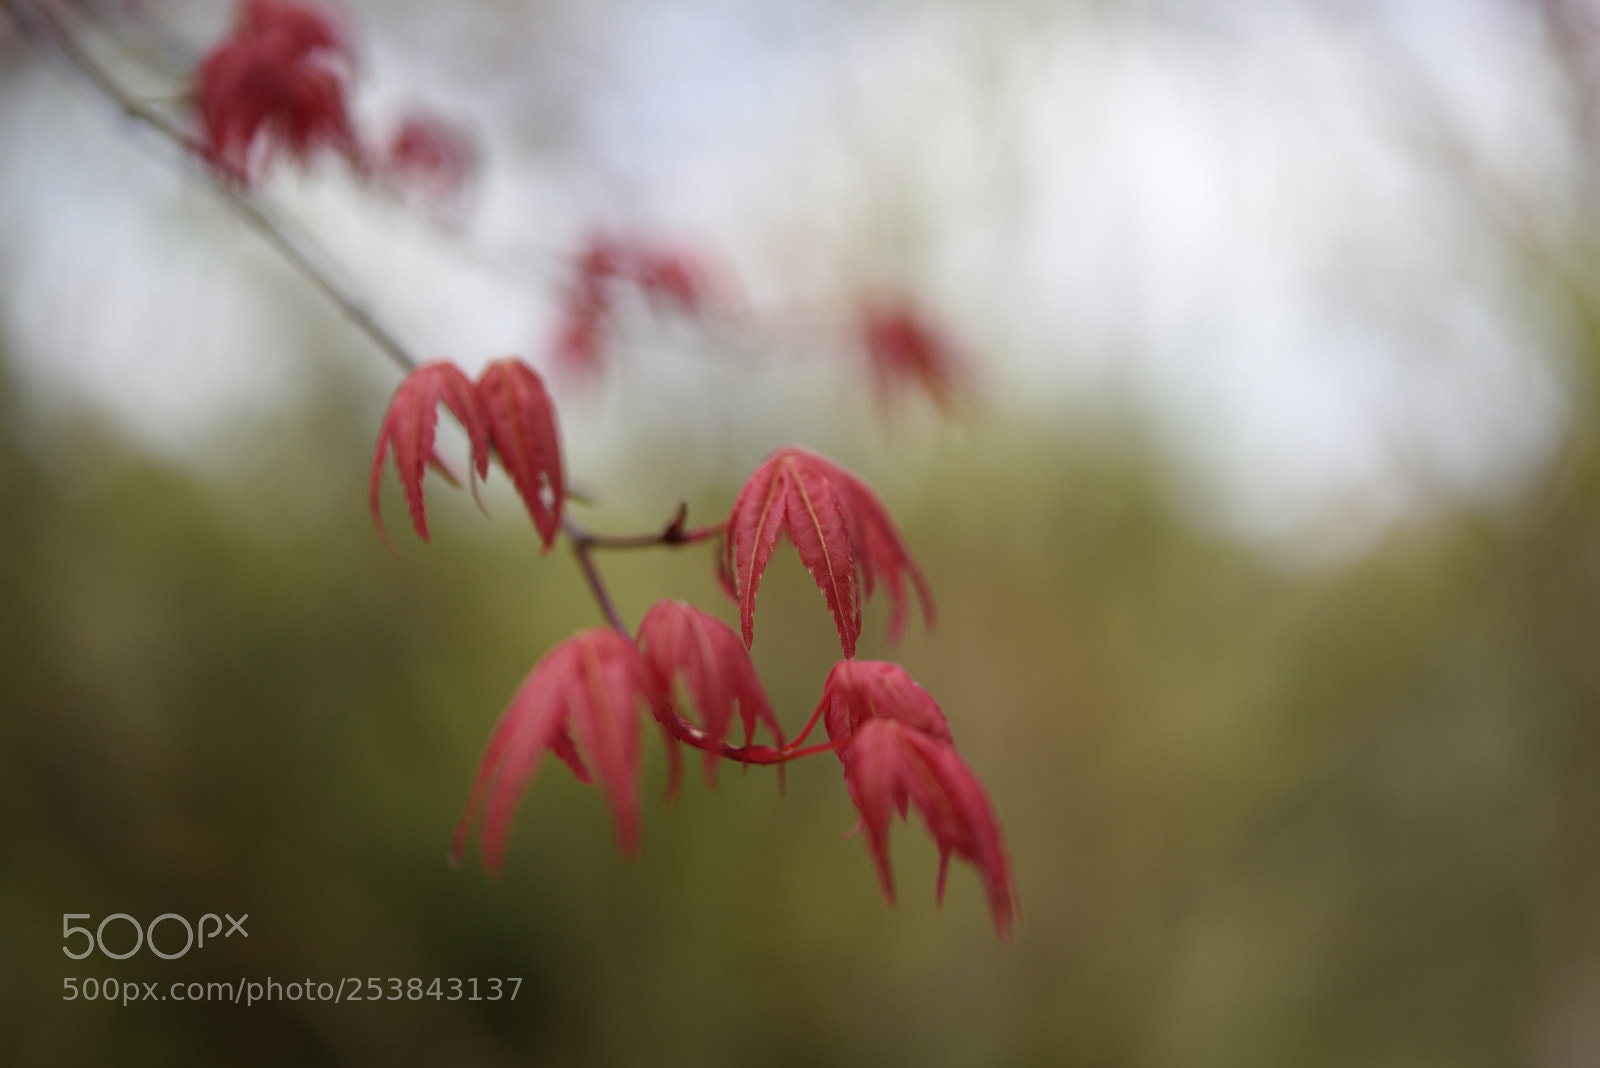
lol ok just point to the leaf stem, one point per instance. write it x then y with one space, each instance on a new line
585 541
582 549
690 735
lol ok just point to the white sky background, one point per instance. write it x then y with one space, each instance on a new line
1216 210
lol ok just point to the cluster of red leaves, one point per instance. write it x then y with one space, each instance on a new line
841 530
276 84
595 683
507 412
671 279
896 749
692 672
905 351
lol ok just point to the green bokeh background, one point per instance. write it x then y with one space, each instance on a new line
1336 816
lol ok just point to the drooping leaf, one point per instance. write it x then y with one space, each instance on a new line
892 764
681 642
275 85
895 747
409 427
880 551
592 684
843 532
792 494
522 426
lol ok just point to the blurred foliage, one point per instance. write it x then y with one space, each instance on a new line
1259 817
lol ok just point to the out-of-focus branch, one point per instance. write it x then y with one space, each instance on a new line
47 30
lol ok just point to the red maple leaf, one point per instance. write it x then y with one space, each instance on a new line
522 425
894 744
275 84
842 531
906 351
679 640
581 329
793 493
859 690
409 428
591 684
880 551
666 276
429 157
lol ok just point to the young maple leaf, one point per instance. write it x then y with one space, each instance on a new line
905 351
591 684
522 426
409 428
892 765
793 493
895 746
880 551
859 690
275 84
679 640
842 531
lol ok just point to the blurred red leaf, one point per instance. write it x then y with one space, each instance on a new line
906 351
668 277
592 684
429 157
522 426
304 28
276 84
409 427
